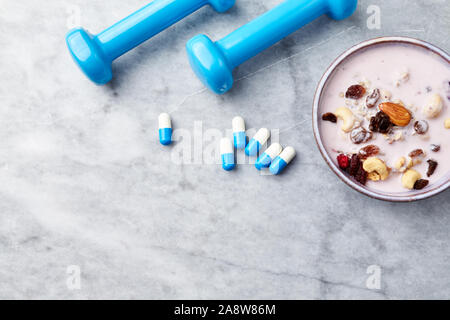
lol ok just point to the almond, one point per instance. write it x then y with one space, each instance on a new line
398 114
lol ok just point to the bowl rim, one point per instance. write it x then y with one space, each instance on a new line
315 119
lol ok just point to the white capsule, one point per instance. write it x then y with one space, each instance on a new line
239 137
262 135
280 162
165 129
227 154
288 154
226 146
164 121
238 124
268 156
274 150
258 140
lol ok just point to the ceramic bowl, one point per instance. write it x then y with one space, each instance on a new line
402 196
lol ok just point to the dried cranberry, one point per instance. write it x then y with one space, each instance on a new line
369 151
421 126
380 123
360 135
420 184
373 98
416 153
343 161
355 92
432 165
329 117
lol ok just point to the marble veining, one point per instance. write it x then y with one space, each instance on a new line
84 181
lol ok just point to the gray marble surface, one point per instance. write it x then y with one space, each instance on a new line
85 186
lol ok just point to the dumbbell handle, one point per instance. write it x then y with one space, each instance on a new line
144 24
271 27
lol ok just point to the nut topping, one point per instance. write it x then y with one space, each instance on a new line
376 168
347 116
434 106
409 178
447 123
399 115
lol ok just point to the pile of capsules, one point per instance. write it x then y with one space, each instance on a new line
274 158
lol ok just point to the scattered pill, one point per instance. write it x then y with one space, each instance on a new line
280 162
165 129
268 156
240 139
227 153
259 139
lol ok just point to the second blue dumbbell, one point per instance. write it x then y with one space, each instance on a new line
213 62
94 54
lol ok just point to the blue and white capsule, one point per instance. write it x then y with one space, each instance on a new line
268 156
240 139
165 129
258 140
227 153
280 162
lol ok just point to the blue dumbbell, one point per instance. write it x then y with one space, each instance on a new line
94 54
214 62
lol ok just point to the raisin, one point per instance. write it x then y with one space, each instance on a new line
380 123
421 126
360 135
432 165
329 117
447 88
369 151
420 184
355 92
373 98
356 170
435 147
416 153
361 175
355 163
